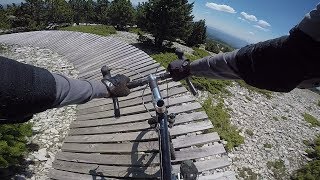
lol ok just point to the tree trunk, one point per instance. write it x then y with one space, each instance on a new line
158 41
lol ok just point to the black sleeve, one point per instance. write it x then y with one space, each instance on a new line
24 90
280 64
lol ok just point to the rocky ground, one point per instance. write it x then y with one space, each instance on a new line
50 127
274 129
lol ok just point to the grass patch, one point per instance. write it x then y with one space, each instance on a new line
201 83
136 30
249 132
310 119
275 118
278 168
266 93
247 174
318 103
101 30
284 118
267 145
312 169
306 142
220 119
200 52
248 98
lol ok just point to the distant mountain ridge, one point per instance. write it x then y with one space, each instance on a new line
218 35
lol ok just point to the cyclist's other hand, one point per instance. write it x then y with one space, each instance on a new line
117 85
179 69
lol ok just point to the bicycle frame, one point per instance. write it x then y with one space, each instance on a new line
162 128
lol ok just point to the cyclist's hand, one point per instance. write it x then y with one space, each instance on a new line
179 69
117 85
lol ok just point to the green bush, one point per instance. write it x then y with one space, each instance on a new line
247 173
136 30
249 132
312 169
318 103
101 30
267 145
310 119
220 119
278 168
13 143
275 118
200 53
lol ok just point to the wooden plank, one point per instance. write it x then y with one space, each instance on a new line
139 136
135 159
113 55
127 64
128 147
133 102
227 175
195 140
141 69
197 153
93 48
108 171
133 118
206 165
131 172
65 175
112 48
134 126
133 109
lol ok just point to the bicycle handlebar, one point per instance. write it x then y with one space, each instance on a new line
140 82
144 81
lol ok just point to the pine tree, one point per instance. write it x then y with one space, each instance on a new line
13 143
141 18
169 19
102 11
121 13
198 34
59 11
78 9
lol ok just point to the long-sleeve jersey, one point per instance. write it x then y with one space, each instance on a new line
26 90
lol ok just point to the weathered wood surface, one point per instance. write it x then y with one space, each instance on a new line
101 146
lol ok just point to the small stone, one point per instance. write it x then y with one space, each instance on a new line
291 149
41 154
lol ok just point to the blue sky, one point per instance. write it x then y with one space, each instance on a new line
249 20
252 20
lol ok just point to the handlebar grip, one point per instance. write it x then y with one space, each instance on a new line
191 87
134 84
107 74
181 56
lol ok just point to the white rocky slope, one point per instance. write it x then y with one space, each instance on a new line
278 122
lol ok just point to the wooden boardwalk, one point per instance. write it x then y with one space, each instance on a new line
102 147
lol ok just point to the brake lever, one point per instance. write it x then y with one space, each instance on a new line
181 56
106 73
